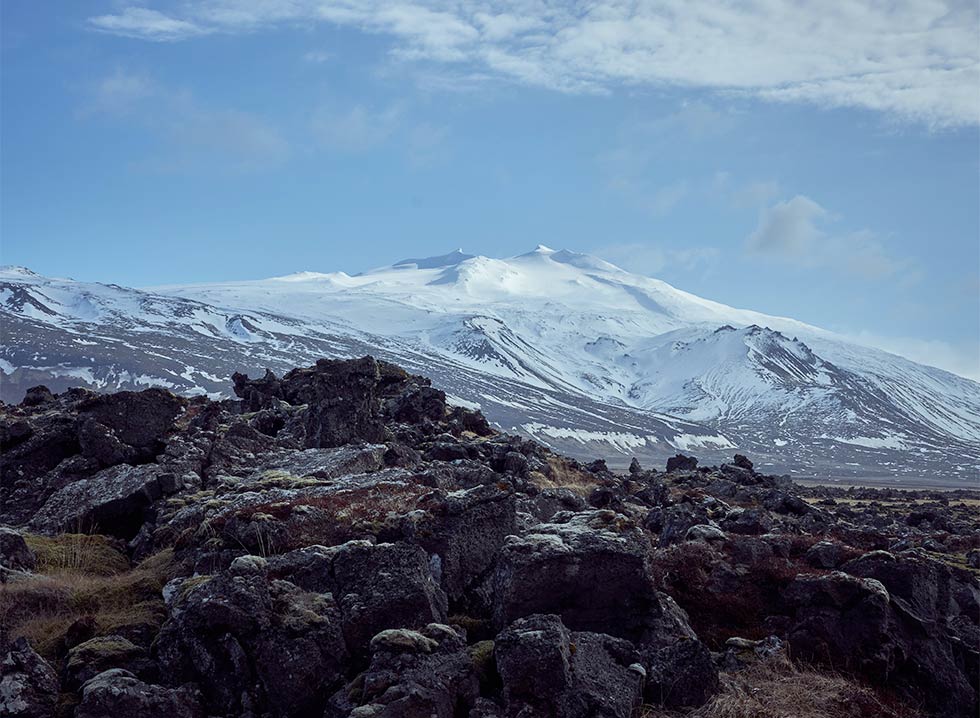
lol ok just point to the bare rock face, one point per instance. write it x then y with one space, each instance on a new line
48 444
543 570
111 501
29 687
548 670
463 531
117 692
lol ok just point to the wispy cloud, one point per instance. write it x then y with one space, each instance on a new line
650 258
917 61
354 129
798 231
961 358
146 24
316 57
190 132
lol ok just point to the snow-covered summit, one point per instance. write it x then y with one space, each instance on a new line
557 344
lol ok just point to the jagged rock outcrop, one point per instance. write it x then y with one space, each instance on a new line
340 542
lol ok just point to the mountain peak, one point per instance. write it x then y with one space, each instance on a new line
443 260
17 270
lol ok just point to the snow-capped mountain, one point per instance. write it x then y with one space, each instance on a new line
561 346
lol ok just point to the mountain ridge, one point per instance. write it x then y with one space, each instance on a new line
526 338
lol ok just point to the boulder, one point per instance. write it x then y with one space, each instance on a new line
117 692
841 620
463 531
673 522
742 462
253 643
855 625
111 501
15 554
37 396
547 670
412 673
750 522
29 687
90 658
824 554
680 672
681 463
704 532
140 420
591 568
384 586
377 586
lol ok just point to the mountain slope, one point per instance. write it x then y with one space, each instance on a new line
562 346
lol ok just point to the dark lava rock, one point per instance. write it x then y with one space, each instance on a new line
38 395
90 658
824 554
681 463
251 643
14 551
118 692
111 501
742 462
548 670
29 687
544 570
680 669
412 673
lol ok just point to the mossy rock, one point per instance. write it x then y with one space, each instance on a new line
88 659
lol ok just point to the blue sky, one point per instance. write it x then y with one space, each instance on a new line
814 162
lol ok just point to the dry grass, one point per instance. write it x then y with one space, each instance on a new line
778 689
564 475
90 555
83 580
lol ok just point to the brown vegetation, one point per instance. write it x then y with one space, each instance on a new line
83 587
780 689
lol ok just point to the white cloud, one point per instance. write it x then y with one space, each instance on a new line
916 60
147 24
796 231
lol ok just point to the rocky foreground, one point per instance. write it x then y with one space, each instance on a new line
340 542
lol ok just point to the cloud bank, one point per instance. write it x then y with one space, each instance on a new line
914 60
